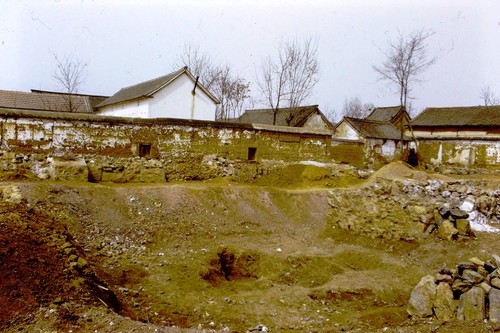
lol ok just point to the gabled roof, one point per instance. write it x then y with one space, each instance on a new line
292 117
148 88
373 129
49 101
389 113
459 116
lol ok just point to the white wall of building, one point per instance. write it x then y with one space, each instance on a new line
316 122
173 101
134 109
177 101
345 131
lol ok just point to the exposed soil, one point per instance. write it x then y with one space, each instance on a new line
195 257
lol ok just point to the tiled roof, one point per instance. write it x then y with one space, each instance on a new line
292 117
384 113
148 88
374 129
48 101
459 116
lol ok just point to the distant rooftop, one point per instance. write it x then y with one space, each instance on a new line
374 129
385 113
42 100
459 116
292 117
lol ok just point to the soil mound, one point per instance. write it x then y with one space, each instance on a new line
400 170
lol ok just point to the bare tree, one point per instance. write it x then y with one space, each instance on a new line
70 74
231 90
353 107
489 97
289 80
406 60
330 113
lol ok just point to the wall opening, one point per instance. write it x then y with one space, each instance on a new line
144 150
252 152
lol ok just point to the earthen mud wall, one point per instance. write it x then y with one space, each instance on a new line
459 153
365 154
99 148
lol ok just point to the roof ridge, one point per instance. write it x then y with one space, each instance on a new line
286 108
156 78
369 120
16 91
48 92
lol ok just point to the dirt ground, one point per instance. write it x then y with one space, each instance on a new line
205 257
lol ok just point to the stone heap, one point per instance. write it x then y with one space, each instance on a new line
471 291
410 209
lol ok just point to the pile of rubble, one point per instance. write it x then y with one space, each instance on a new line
409 209
470 291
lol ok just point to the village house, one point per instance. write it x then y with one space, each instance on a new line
175 95
366 142
40 100
302 116
396 115
458 136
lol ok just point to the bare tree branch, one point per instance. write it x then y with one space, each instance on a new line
70 74
406 60
290 79
355 109
488 97
231 90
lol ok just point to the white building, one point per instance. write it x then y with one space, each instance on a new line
175 95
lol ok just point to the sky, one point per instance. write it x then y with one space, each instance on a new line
127 42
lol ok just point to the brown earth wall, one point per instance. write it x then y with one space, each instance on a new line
114 144
351 152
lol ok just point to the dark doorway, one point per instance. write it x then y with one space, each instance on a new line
413 158
252 152
144 150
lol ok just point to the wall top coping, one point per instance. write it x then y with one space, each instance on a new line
66 116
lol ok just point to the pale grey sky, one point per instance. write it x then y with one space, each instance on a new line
126 42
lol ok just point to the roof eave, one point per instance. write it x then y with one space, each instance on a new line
100 105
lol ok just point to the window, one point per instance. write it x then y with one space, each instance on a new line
252 151
144 150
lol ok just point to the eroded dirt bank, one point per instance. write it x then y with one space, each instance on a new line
86 257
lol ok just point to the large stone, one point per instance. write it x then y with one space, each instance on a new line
495 282
466 265
422 298
472 276
444 306
486 287
71 168
447 230
438 218
458 213
444 278
477 261
494 300
463 227
471 305
460 286
495 260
